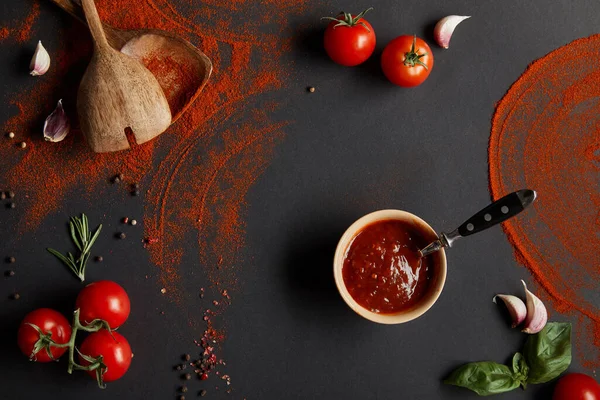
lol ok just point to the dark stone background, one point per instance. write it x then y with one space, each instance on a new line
356 145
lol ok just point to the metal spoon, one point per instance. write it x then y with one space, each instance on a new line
497 212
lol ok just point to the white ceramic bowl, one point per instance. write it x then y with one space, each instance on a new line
438 274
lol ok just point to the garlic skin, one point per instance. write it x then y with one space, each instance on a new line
57 125
445 27
516 308
537 315
40 63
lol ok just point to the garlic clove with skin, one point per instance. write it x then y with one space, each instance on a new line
537 315
57 125
445 27
40 62
516 308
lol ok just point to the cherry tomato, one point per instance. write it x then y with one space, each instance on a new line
114 349
576 387
407 61
349 40
105 300
51 323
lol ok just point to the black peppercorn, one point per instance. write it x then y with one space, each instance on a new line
99 258
16 296
203 393
122 235
187 377
2 195
9 273
187 357
183 389
10 194
12 205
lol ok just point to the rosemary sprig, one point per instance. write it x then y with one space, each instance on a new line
83 239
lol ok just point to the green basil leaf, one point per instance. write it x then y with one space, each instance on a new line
484 378
520 369
548 352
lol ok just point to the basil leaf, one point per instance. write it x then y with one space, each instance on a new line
548 352
484 378
520 369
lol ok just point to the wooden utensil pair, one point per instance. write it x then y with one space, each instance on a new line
118 92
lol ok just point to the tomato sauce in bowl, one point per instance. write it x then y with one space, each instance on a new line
382 268
378 269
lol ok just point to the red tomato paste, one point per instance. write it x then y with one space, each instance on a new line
382 269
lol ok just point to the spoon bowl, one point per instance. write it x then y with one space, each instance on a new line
190 68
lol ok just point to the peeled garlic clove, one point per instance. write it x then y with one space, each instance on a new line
40 63
516 308
445 27
537 316
57 125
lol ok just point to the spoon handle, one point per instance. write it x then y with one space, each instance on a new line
95 24
497 212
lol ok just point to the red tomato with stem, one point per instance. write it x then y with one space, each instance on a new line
349 40
407 61
114 349
53 325
576 387
105 300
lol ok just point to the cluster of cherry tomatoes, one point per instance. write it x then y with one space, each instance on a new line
45 334
350 40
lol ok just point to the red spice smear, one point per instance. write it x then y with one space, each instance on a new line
4 33
24 30
203 165
546 136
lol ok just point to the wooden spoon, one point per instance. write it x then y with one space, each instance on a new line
145 44
118 92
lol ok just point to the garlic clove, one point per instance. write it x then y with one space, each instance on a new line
445 27
516 308
57 125
40 63
537 315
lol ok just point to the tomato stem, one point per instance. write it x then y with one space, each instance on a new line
348 20
412 57
45 342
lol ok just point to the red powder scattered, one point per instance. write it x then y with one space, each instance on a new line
546 136
4 33
199 171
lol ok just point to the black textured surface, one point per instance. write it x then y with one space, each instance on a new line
356 145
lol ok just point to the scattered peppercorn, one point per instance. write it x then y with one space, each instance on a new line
133 222
9 273
135 193
122 235
163 290
99 258
204 376
182 397
22 145
10 194
187 377
16 296
120 176
203 393
12 205
11 259
183 389
311 89
11 135
135 186
187 357
116 179
2 195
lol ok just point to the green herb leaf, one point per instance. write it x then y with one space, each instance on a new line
520 369
484 378
548 352
83 239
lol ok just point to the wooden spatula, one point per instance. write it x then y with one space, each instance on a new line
117 92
